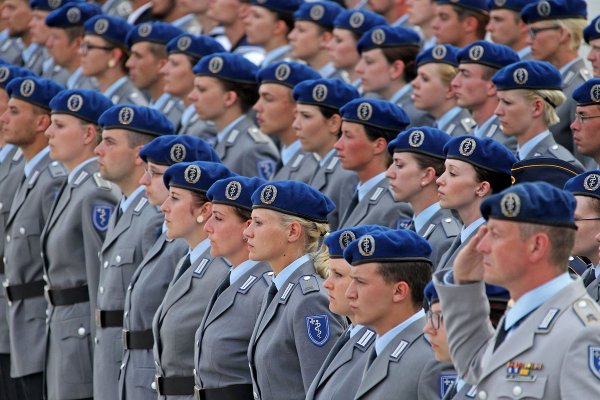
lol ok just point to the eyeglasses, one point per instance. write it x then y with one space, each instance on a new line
85 47
534 31
586 219
153 174
435 319
582 118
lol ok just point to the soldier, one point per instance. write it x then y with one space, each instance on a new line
367 128
152 277
24 123
116 8
197 276
591 34
70 243
460 22
133 228
421 14
475 90
418 161
394 11
294 330
506 26
318 124
221 344
103 55
147 44
16 14
275 111
389 272
475 169
225 89
180 14
524 247
586 122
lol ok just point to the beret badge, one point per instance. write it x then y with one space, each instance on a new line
345 238
282 72
366 246
521 76
268 194
319 92
364 111
27 88
317 12
75 102
126 115
101 26
592 182
215 65
356 20
178 152
467 147
233 190
416 138
192 174
510 205
439 52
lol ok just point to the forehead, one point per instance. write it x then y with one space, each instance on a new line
94 38
264 214
307 25
118 135
64 118
142 48
458 164
588 109
20 104
365 270
353 127
340 265
445 9
206 81
474 69
503 14
274 89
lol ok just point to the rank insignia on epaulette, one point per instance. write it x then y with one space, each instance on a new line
378 192
286 293
317 329
399 350
233 135
140 205
365 341
248 284
80 178
101 215
199 270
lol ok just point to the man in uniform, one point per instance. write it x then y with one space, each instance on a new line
591 35
133 229
586 124
460 22
16 14
25 121
180 14
506 26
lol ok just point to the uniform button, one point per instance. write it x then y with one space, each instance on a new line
54 163
125 314
105 265
129 287
118 259
153 385
582 304
22 230
517 390
194 371
448 220
8 238
101 290
4 260
122 365
96 340
1 206
47 312
42 254
307 278
482 395
156 363
45 277
81 331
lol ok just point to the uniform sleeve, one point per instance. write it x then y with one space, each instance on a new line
430 379
580 369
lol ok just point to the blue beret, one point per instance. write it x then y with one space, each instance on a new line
485 153
87 105
491 54
480 6
227 66
588 93
377 113
533 75
286 7
554 9
423 140
142 119
493 293
155 32
585 184
197 176
322 13
358 21
49 5
113 29
72 14
592 31
513 5
401 245
441 53
532 202
330 93
286 73
8 72
171 149
194 46
545 169
284 196
338 241
34 90
235 191
388 36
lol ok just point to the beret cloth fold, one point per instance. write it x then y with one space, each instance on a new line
171 149
489 54
8 72
72 14
588 93
235 191
227 66
338 241
34 90
322 13
286 73
532 75
197 176
485 153
377 113
141 119
554 9
423 140
87 105
331 93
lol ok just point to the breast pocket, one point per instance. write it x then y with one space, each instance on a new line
76 351
120 272
532 389
26 237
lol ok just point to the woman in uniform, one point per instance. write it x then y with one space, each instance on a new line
295 329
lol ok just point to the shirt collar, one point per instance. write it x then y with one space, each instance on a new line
74 78
323 161
531 143
275 54
181 22
425 215
354 329
115 86
78 168
287 152
289 270
221 135
445 119
31 164
197 251
382 341
524 52
565 68
160 103
29 50
467 231
126 201
240 270
187 115
481 130
364 187
4 151
401 93
327 70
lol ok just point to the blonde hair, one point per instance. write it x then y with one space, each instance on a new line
447 73
556 97
575 27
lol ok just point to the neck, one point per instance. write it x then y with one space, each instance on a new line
375 167
138 3
318 61
485 112
322 152
208 24
275 42
424 198
235 32
443 109
72 164
534 279
562 57
466 40
288 257
26 38
131 182
230 115
157 89
470 213
530 134
392 89
401 313
108 77
177 13
196 237
427 30
32 149
239 257
73 64
288 137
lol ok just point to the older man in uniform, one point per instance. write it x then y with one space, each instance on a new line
132 230
548 344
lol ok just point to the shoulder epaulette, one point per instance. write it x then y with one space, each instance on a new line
585 74
56 169
365 340
79 179
140 205
451 227
287 292
492 130
331 165
257 135
467 124
101 183
568 78
18 154
268 277
375 197
587 311
247 284
232 137
309 284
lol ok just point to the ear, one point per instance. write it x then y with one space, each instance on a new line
162 62
428 176
138 160
325 38
379 146
294 232
397 69
42 122
90 135
538 107
401 292
334 124
538 247
280 28
206 210
469 24
117 54
491 90
231 98
483 189
450 93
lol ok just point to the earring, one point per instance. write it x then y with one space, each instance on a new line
111 63
200 219
245 239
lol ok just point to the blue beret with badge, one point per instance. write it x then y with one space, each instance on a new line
293 198
532 202
154 32
285 7
286 73
8 72
87 105
337 241
377 113
484 153
440 54
423 140
359 21
585 184
588 93
71 15
49 5
329 93
194 46
227 66
545 169
480 6
197 176
171 149
384 36
513 5
322 13
235 191
141 119
490 54
592 31
554 9
532 75
113 29
34 90
400 245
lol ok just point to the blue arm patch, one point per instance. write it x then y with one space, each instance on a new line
266 169
101 215
317 329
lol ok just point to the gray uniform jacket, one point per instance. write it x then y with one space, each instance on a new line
247 151
11 51
198 127
405 369
494 132
221 345
128 93
549 148
562 337
592 284
377 207
127 242
35 61
338 184
342 371
146 291
173 108
466 392
28 215
117 8
11 173
71 240
82 81
461 124
180 314
417 117
447 259
55 72
301 167
292 337
440 231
